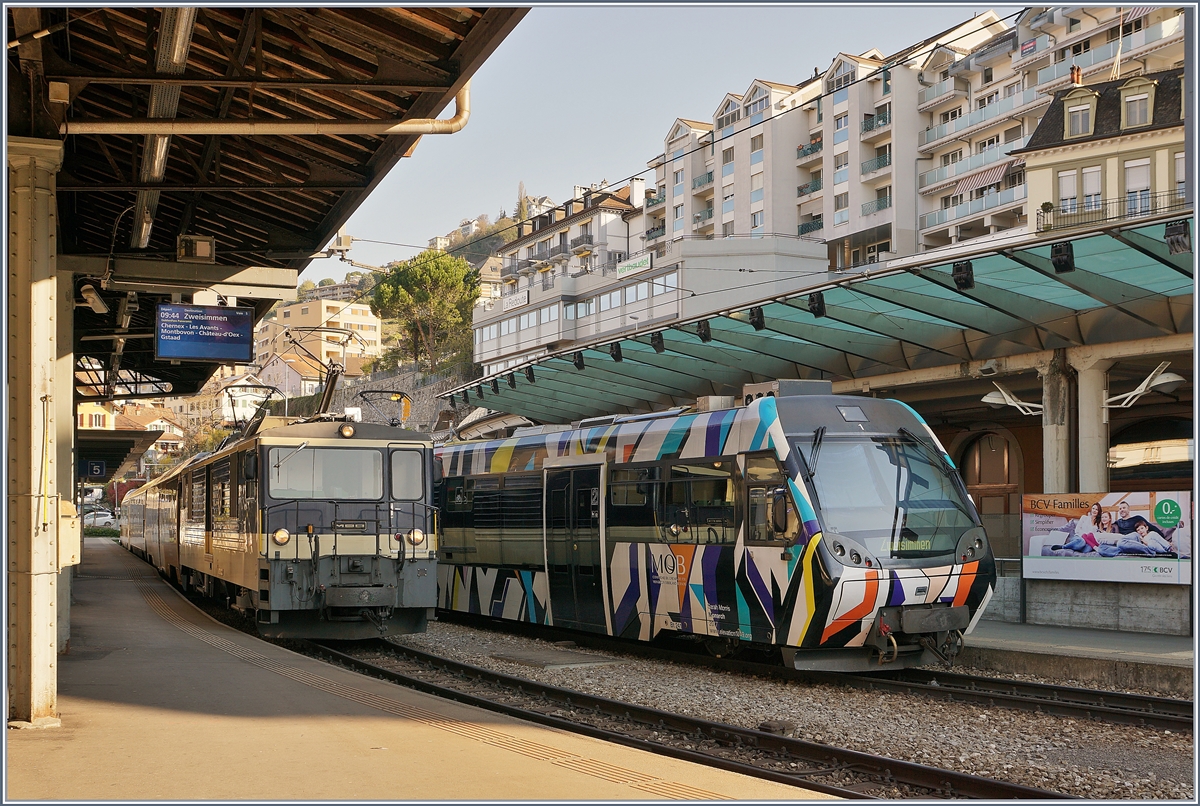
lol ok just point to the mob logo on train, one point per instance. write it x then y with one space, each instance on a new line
669 568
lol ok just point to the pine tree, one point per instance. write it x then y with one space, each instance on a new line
522 202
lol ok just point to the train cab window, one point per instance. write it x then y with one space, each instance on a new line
770 515
325 473
408 475
762 468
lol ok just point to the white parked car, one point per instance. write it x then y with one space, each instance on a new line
101 517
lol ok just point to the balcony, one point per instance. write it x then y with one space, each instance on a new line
1135 205
973 207
956 169
876 122
875 206
808 187
930 136
871 166
950 90
1031 50
582 245
702 180
699 219
509 271
525 267
810 226
809 151
1126 46
656 232
654 201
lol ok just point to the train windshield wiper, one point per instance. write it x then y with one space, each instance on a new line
299 448
815 450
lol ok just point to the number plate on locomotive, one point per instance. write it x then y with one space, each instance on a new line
347 526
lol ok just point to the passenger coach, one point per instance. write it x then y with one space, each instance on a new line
834 528
322 529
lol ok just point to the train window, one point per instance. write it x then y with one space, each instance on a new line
764 506
762 468
631 488
221 491
325 473
699 503
633 502
408 475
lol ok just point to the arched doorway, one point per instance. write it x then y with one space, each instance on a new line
991 468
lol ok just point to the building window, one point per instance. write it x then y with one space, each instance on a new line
666 283
841 121
304 311
987 190
331 309
1072 24
840 161
727 156
951 201
1137 186
843 75
756 219
1091 188
548 314
678 211
953 114
1015 178
756 142
1079 120
1128 29
730 113
287 314
1135 110
727 229
637 293
841 201
985 144
1180 175
987 75
756 182
952 157
1068 196
678 176
1012 89
887 82
610 300
987 100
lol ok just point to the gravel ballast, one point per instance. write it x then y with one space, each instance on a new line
1089 759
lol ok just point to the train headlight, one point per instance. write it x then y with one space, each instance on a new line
281 537
415 538
971 552
855 558
839 550
346 430
979 544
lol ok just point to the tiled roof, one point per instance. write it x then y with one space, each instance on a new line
1167 108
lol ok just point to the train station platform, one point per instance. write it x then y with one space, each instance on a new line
160 702
1164 663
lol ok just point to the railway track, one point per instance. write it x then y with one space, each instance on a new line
1076 703
759 753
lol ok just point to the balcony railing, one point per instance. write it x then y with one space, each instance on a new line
942 88
656 232
582 244
1135 205
808 187
882 161
702 180
547 281
809 150
654 201
541 257
561 250
973 207
876 121
877 205
810 226
978 116
703 215
969 164
1125 45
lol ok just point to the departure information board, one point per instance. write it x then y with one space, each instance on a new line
222 334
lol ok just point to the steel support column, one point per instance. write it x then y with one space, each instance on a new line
32 433
1056 424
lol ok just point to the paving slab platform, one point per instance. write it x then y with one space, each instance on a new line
160 702
1165 663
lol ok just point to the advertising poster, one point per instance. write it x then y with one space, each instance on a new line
204 333
1108 537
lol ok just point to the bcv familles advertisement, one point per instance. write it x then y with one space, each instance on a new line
1108 537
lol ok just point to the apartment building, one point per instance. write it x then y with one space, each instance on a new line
1134 164
336 292
269 337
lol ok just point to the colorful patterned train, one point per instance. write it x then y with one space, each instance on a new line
835 530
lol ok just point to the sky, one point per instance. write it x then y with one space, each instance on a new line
576 95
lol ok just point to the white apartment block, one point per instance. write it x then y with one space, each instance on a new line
878 157
336 291
357 317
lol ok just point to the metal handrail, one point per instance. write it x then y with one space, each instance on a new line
702 180
810 226
812 148
877 205
882 161
876 121
1092 211
811 186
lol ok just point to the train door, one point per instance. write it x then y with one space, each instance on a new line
574 530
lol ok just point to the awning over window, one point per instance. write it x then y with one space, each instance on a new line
982 179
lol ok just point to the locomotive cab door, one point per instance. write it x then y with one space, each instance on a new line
575 553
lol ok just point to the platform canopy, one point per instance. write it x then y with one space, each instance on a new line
270 200
909 314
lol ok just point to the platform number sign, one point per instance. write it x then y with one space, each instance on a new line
94 469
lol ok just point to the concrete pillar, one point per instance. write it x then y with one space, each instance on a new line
1056 425
32 432
1092 378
